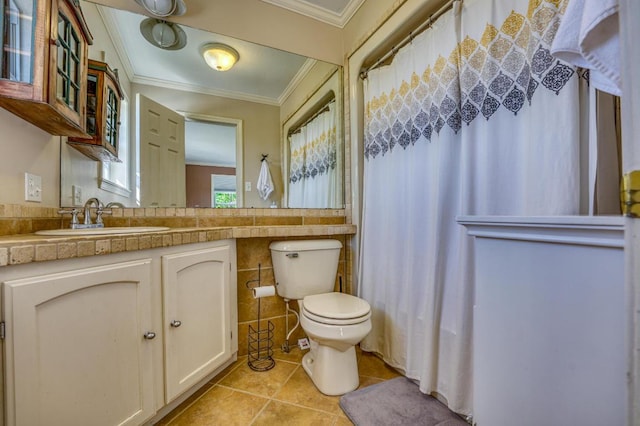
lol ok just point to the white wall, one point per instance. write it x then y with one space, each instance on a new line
26 148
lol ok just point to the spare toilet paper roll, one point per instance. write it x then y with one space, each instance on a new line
264 291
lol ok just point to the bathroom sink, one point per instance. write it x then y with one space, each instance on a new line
102 231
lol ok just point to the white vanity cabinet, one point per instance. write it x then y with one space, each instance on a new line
77 346
197 316
119 339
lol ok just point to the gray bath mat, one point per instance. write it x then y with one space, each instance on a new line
396 402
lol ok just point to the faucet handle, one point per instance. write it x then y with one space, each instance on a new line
73 213
99 214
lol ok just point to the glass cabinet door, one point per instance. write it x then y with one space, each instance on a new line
112 121
69 57
17 20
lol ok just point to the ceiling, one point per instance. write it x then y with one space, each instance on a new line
334 12
185 69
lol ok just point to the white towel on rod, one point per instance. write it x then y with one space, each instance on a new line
588 37
265 183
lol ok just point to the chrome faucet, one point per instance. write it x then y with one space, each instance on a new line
106 210
87 209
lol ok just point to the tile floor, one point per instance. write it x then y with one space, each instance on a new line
283 395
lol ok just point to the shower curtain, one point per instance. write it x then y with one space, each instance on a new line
473 117
314 180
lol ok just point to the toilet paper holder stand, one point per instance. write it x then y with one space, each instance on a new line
260 339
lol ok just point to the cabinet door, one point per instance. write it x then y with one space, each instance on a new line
197 316
75 350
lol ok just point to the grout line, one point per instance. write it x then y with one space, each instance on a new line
260 412
173 419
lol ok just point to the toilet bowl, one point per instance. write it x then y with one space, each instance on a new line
335 323
305 270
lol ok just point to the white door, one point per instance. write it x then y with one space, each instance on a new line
162 166
197 316
630 60
76 352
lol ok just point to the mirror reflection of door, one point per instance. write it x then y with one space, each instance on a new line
162 153
211 163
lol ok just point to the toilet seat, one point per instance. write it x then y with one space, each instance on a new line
335 308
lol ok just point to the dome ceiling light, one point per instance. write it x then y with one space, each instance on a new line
219 56
163 34
163 8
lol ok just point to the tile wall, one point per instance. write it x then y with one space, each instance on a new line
25 219
252 252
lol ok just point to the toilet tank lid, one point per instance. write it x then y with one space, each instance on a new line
304 245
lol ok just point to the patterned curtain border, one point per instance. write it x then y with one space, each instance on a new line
503 69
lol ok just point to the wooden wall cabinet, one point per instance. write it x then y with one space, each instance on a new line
43 63
104 97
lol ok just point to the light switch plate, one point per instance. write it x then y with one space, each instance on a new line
32 187
247 186
77 195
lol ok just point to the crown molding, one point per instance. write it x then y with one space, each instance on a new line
295 81
137 79
109 22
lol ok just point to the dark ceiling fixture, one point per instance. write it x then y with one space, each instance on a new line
162 34
163 8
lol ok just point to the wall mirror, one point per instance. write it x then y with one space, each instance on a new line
243 113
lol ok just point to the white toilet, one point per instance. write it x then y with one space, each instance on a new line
305 270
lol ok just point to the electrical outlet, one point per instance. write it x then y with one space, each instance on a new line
32 187
247 186
76 195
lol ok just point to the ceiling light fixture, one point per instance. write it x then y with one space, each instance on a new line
163 8
219 56
163 34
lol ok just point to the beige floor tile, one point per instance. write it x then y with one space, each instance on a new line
295 354
343 421
224 373
221 406
300 390
368 381
372 366
185 404
282 414
263 383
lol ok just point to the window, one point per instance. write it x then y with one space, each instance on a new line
224 199
223 191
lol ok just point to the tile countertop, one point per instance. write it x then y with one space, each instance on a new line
27 248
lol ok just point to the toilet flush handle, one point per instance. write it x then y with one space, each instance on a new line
292 255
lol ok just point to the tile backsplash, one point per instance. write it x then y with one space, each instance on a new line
25 219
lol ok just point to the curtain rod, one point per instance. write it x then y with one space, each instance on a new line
315 114
422 27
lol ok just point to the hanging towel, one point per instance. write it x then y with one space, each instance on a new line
265 183
588 37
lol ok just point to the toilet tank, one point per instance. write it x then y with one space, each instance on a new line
305 267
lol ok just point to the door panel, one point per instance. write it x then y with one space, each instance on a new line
197 295
162 168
